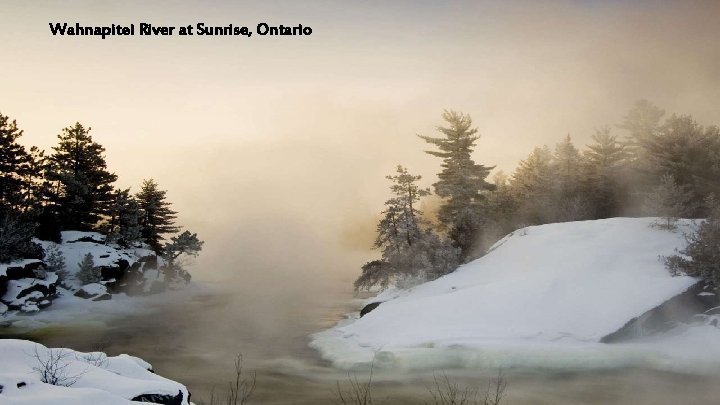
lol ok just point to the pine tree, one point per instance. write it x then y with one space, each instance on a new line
81 184
123 226
410 250
184 244
156 217
461 182
55 262
701 257
642 123
690 153
16 238
670 201
14 167
88 273
567 161
533 182
605 162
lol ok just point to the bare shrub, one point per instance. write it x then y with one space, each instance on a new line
358 393
53 367
239 391
445 391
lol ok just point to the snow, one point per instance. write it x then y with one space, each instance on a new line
20 299
94 289
99 379
542 295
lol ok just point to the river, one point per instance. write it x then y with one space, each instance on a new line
195 339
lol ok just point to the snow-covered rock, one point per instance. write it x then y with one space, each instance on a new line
26 287
30 294
557 285
94 291
84 378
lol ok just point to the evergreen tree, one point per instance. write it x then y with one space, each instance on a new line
533 183
567 161
184 244
605 161
16 238
35 191
14 167
55 262
702 254
642 123
81 184
88 273
123 226
461 182
571 201
670 201
690 153
410 250
156 217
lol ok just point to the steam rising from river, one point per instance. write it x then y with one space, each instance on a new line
275 150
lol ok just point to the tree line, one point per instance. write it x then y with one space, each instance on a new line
71 188
648 164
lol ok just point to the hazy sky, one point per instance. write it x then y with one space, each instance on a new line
266 142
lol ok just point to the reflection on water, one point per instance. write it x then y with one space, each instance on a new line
194 341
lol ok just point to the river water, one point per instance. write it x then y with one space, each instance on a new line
194 340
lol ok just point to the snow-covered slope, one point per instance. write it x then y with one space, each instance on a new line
85 378
557 285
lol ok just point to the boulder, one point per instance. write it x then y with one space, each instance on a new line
3 285
116 271
30 294
160 398
19 272
103 297
92 290
48 290
369 307
698 300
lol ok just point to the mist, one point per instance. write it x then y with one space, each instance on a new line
272 146
275 151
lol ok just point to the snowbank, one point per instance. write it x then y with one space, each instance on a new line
93 378
558 287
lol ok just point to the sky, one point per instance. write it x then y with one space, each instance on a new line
276 147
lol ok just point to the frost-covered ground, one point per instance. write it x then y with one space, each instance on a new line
79 378
543 296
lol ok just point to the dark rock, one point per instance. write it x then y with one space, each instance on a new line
369 307
1 388
25 271
104 256
87 239
150 262
21 384
18 272
117 271
103 297
3 285
47 290
698 299
34 266
160 399
84 294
